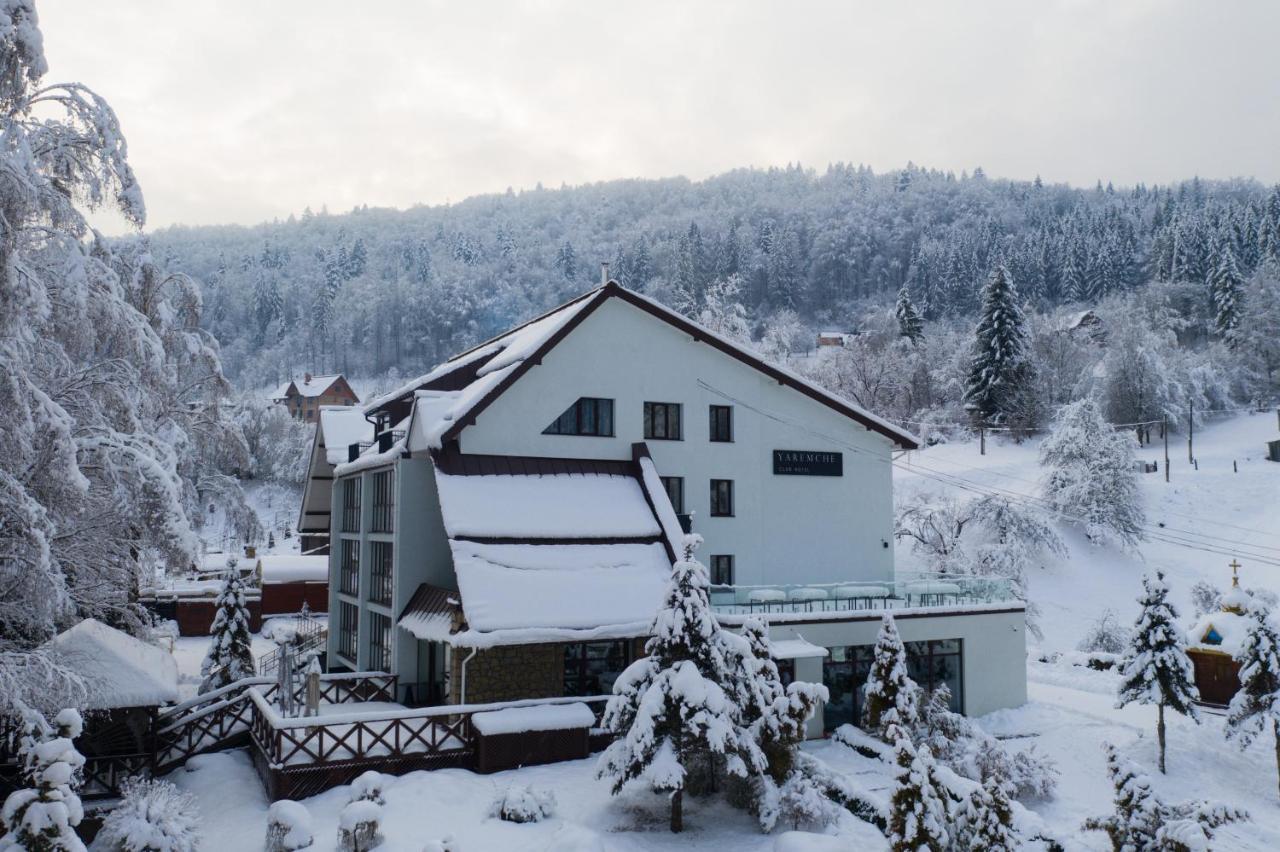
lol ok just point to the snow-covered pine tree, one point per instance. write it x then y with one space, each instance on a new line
910 323
891 695
1156 669
985 819
43 816
998 368
230 655
1227 292
918 817
672 707
1092 481
1258 701
1140 821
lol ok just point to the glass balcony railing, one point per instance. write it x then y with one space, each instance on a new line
907 589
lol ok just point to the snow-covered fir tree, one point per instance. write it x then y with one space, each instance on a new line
672 708
910 323
42 816
984 820
1156 669
999 367
230 655
1227 292
891 695
1140 821
1091 480
918 817
1257 703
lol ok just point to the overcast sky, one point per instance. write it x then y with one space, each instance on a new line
242 111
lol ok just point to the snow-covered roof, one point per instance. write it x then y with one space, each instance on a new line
317 385
282 392
119 670
1229 627
445 398
796 649
539 717
293 568
341 426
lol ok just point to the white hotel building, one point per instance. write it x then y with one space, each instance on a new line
503 526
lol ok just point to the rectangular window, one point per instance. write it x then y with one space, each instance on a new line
384 501
351 504
379 642
349 573
348 629
935 663
590 416
722 570
380 572
674 486
722 423
662 421
722 498
590 668
844 672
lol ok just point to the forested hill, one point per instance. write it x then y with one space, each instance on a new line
375 290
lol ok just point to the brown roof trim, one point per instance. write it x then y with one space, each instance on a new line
613 289
594 540
451 461
429 600
875 615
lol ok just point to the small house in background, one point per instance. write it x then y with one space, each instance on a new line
1086 324
291 580
128 681
835 338
1212 643
304 398
338 429
1273 451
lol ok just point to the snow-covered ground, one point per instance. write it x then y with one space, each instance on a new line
1070 711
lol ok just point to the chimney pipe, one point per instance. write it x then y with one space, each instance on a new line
306 378
604 273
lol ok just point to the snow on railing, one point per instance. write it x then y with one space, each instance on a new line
914 589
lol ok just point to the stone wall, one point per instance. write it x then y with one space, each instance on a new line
509 673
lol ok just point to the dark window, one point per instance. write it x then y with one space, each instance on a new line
722 570
379 642
662 421
349 581
675 491
845 672
588 416
722 423
384 501
722 498
351 504
380 572
348 629
786 671
590 668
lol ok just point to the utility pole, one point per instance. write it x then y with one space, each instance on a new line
1164 430
982 440
1191 429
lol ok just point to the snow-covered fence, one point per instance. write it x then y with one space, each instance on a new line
907 589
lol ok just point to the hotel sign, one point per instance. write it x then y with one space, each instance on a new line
807 463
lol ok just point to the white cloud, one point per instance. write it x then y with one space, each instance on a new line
253 110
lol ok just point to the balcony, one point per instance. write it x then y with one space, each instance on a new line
907 590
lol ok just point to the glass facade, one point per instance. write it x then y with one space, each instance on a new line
845 671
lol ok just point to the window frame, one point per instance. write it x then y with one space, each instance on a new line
380 627
349 567
718 509
602 426
576 669
715 435
678 481
352 487
717 566
381 576
669 411
348 630
384 501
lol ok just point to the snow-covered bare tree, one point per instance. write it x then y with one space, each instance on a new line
672 708
1257 703
230 655
892 696
1156 669
1091 480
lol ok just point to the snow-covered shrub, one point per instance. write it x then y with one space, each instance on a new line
891 694
862 742
1026 774
1092 482
918 817
444 844
519 803
803 803
43 816
288 827
842 790
153 816
1106 635
984 820
1205 598
230 655
1141 821
369 787
359 826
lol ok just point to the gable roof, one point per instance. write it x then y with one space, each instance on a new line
467 384
119 670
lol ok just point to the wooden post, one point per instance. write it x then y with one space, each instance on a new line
982 440
1164 433
1191 429
1234 467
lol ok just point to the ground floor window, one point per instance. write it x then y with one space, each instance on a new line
379 642
845 670
590 668
348 629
